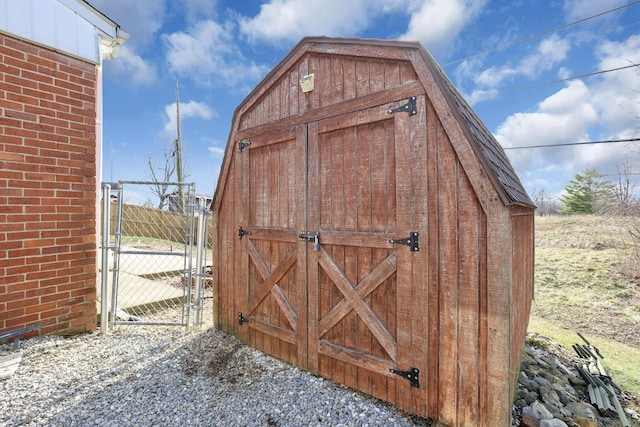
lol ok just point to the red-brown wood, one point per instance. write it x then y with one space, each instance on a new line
336 162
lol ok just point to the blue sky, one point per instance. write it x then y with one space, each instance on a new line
493 51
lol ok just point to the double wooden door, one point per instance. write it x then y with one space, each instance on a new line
326 289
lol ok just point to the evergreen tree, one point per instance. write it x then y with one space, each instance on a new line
587 193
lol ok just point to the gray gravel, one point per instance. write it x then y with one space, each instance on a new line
161 376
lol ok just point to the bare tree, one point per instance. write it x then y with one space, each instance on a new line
625 188
546 203
161 175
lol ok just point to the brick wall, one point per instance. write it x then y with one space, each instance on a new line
47 189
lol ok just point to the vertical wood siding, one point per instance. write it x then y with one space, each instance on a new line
460 311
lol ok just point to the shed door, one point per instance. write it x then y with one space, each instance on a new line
359 283
273 296
338 307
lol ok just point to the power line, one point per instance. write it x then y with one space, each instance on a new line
534 36
595 73
609 141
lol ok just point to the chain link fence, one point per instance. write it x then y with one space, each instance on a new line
154 259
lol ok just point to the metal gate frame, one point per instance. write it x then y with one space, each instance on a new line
193 254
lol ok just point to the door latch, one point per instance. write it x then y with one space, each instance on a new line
311 236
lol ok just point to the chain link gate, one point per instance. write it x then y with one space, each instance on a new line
153 260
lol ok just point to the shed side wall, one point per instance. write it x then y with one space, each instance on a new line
522 280
47 197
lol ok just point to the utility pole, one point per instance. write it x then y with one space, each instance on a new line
178 154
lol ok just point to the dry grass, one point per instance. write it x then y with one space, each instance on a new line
584 284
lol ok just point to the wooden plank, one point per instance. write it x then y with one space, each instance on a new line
378 177
357 49
363 178
274 235
403 173
433 262
363 310
373 240
420 269
316 113
362 79
312 268
336 80
379 300
471 256
351 319
337 334
449 280
499 389
303 70
356 358
305 271
349 72
376 75
365 336
286 307
350 190
266 329
368 284
263 289
392 73
323 80
294 89
240 281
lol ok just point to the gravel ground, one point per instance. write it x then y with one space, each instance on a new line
160 376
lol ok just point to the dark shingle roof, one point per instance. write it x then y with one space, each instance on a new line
485 144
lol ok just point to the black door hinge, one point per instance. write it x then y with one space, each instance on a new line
242 319
410 107
413 375
243 144
242 232
412 241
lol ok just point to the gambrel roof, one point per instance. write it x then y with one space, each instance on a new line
485 146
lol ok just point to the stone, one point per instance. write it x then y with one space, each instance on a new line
577 381
550 396
553 423
529 421
581 409
542 381
585 422
9 364
530 384
542 411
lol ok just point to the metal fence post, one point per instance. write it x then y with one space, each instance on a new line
104 274
200 251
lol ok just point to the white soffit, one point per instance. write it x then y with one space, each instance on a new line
71 26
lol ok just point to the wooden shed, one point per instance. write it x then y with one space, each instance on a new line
368 228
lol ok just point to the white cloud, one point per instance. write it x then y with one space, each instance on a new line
216 151
438 22
188 110
579 9
208 54
290 20
618 92
131 69
563 117
142 19
550 52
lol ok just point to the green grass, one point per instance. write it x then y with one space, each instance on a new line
582 285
